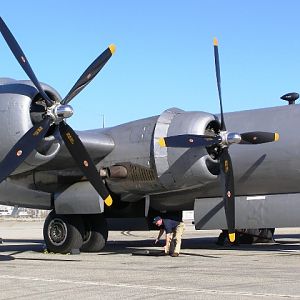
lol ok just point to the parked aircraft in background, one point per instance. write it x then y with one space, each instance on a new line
162 164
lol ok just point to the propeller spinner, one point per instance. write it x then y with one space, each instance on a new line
56 114
223 139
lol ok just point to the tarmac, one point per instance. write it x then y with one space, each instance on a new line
202 271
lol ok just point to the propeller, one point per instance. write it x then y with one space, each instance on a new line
223 139
189 141
21 58
55 115
23 148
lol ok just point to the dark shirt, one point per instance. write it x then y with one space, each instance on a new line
170 225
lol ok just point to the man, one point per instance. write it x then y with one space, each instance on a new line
174 230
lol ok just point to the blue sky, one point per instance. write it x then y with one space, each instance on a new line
164 54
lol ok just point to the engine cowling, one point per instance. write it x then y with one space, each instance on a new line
179 168
19 111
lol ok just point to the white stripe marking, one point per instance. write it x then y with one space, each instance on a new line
157 288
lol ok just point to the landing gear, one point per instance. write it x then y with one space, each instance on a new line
248 236
96 233
62 233
253 236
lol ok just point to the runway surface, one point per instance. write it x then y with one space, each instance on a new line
202 271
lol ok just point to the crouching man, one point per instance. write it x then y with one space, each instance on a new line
174 230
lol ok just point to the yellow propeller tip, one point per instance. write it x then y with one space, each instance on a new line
231 237
162 142
276 136
108 201
112 48
216 43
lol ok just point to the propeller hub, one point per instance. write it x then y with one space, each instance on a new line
229 138
233 138
59 112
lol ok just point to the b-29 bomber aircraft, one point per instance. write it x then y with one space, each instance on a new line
230 174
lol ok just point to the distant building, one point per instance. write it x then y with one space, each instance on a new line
20 212
5 210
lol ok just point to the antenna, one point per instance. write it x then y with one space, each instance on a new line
290 97
103 123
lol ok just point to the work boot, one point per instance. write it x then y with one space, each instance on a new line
175 254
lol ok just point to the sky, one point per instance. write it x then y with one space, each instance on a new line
164 53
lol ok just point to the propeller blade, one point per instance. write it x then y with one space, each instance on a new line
259 137
89 74
84 161
218 76
228 197
189 141
21 58
21 150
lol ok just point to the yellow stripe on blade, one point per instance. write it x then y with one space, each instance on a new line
162 142
276 136
216 42
108 201
112 48
231 237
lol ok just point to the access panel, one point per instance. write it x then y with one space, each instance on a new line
262 211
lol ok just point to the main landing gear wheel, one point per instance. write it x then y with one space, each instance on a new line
62 233
96 233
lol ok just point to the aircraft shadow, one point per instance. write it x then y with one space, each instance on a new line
22 246
283 244
282 236
17 246
6 257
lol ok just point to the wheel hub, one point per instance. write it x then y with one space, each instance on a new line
57 232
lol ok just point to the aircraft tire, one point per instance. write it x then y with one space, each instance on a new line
62 233
96 233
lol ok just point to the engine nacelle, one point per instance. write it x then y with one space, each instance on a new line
179 168
17 116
